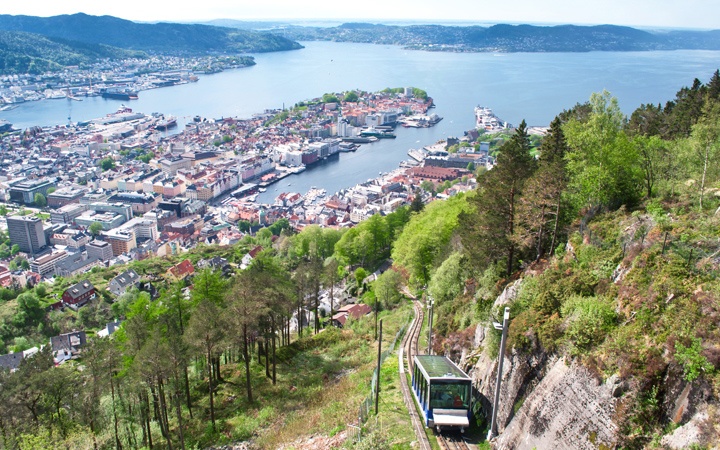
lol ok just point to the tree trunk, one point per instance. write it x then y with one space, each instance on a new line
147 420
142 421
299 320
178 413
317 306
210 389
156 408
555 228
118 445
332 295
129 428
218 375
246 354
702 184
511 230
540 234
165 424
92 431
187 391
267 357
274 367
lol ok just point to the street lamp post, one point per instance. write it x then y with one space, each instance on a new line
504 327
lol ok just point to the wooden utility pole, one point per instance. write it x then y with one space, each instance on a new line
377 382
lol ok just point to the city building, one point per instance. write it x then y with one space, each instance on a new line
27 232
140 202
76 263
173 164
94 197
121 241
108 220
24 191
144 229
45 265
65 196
115 207
67 213
99 249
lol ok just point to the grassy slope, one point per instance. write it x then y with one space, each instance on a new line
320 386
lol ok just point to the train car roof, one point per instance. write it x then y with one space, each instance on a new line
439 367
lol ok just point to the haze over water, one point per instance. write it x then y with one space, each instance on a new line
530 86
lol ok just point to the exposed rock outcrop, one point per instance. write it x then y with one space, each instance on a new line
568 409
546 402
698 430
550 401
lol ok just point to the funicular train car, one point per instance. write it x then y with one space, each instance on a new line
443 392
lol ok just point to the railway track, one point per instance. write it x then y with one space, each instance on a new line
448 441
413 336
451 442
410 349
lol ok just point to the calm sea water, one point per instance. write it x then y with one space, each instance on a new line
530 86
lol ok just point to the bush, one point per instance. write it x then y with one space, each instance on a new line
590 319
694 364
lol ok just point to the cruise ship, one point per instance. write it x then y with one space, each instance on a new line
486 120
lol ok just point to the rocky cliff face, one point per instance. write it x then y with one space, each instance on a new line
549 401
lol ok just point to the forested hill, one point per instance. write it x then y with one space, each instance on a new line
31 53
510 38
166 38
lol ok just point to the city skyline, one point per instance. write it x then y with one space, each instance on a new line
701 14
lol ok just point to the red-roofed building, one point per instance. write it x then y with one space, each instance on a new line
182 269
78 294
355 311
248 258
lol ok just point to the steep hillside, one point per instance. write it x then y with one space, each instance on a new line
22 52
166 38
615 340
605 249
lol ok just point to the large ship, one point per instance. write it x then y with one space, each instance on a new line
123 114
487 121
378 133
5 126
120 94
166 123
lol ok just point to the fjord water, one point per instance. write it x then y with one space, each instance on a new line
530 86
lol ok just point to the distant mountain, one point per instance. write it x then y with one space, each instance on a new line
245 24
32 53
165 38
509 38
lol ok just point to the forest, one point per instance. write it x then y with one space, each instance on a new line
613 228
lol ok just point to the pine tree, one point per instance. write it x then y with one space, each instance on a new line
487 232
713 86
417 204
541 207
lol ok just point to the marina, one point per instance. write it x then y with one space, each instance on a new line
488 122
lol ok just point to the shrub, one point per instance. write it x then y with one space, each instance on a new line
694 364
590 319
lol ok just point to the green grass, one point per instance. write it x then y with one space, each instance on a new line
321 383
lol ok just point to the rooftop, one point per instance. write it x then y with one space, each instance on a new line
436 366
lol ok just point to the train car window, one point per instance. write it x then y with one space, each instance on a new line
449 395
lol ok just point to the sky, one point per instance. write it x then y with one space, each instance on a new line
701 14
